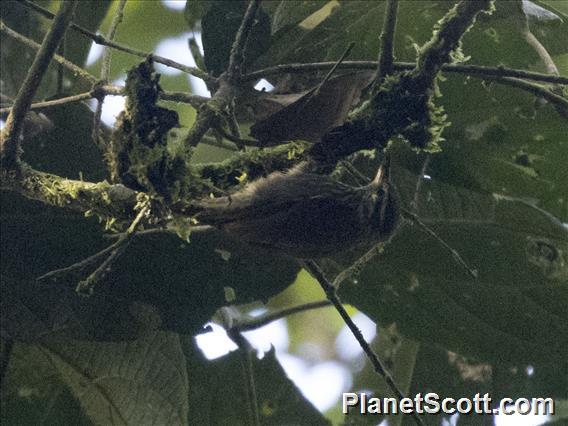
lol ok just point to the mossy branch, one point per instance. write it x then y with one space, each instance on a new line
403 104
103 199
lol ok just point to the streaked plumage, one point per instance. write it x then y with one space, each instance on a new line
305 214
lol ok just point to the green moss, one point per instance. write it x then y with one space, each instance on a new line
100 199
138 154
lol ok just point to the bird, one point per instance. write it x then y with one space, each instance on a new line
305 214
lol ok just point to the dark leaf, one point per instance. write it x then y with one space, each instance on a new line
509 314
279 401
220 25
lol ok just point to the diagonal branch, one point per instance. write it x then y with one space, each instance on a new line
86 287
237 58
386 56
315 270
210 113
75 69
447 39
10 135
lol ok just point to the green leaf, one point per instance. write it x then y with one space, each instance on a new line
137 382
513 313
279 401
34 393
220 25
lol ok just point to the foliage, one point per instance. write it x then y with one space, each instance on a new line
494 192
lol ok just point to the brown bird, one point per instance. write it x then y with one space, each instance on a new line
304 214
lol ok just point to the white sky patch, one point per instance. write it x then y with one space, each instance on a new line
177 5
273 334
215 343
198 87
322 384
177 49
112 105
264 85
95 53
346 346
2 124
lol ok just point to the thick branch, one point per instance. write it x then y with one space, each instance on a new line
97 38
445 41
9 138
210 113
103 199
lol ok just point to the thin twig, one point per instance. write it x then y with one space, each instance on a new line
55 102
59 59
109 89
210 113
415 199
86 286
261 321
356 267
531 39
196 53
161 231
10 135
105 72
473 70
314 269
386 40
334 68
78 267
237 57
185 98
457 257
98 39
558 101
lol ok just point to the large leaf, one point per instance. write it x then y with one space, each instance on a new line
509 314
279 401
220 25
138 382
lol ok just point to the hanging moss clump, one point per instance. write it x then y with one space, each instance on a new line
138 155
